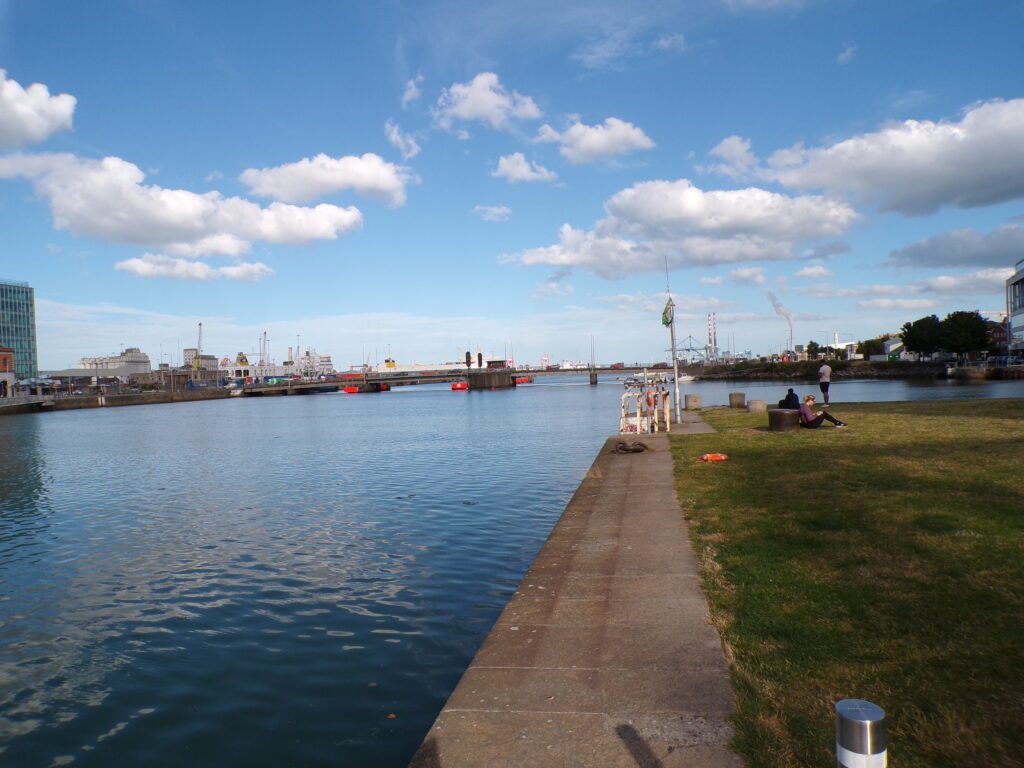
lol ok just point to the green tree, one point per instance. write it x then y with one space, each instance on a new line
923 336
870 347
964 332
813 349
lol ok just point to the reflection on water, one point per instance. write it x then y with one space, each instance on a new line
289 581
266 582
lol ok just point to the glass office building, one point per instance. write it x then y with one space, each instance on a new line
1015 308
18 326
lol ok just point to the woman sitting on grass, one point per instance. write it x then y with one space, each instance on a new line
809 419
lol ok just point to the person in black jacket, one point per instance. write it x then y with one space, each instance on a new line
790 400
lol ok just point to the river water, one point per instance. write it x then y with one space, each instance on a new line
282 581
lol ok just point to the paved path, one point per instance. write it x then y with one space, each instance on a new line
693 424
604 656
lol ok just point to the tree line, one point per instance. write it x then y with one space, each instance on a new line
960 332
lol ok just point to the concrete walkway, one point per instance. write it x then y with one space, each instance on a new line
604 656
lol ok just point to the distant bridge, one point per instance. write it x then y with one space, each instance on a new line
378 381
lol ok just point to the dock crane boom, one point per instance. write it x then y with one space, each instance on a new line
198 361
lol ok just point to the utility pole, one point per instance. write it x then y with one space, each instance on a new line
670 311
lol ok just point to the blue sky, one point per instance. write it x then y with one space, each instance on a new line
435 175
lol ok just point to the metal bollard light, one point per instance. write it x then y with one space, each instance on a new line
861 738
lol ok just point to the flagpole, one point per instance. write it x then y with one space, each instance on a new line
672 335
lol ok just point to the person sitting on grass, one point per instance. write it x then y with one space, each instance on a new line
791 400
811 419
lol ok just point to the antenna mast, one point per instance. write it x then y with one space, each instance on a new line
670 308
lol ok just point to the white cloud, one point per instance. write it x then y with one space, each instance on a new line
483 99
748 275
964 248
644 302
918 166
589 143
246 272
516 168
829 291
670 41
310 178
737 156
212 245
817 271
610 49
711 281
553 289
846 55
158 265
403 142
213 176
30 115
493 212
671 207
980 282
992 281
652 221
107 199
412 90
898 304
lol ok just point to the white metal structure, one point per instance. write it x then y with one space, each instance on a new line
646 407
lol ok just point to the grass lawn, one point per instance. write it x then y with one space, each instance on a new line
884 562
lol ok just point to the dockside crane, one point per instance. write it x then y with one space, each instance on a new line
197 362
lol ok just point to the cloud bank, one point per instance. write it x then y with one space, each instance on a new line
649 221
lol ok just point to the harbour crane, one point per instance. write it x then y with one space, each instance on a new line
197 361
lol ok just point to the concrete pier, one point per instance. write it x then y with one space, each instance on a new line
604 656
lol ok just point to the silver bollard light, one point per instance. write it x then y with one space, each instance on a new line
861 738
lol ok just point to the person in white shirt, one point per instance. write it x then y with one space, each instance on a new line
824 379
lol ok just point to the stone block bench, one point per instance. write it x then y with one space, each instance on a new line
783 419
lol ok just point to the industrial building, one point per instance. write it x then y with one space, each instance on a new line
18 326
132 360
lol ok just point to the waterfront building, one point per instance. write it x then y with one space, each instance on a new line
132 360
307 365
7 372
18 326
206 362
1015 309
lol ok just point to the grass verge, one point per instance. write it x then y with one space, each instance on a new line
884 561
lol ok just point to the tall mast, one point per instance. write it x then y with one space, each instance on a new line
672 336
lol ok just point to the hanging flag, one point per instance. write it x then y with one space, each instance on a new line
668 314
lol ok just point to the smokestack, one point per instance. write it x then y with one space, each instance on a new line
783 312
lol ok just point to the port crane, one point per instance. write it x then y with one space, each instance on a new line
198 360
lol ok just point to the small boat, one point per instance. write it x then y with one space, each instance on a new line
459 386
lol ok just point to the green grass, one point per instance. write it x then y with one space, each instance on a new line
884 562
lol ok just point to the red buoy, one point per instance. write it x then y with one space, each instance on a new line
458 386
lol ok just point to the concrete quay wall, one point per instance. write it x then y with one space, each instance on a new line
114 400
604 656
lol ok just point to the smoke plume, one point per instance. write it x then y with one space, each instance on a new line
782 312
